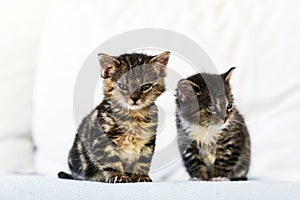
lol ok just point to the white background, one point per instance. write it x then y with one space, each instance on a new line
51 40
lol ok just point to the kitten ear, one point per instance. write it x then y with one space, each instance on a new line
186 89
226 76
108 64
160 63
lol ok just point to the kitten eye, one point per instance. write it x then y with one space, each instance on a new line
229 105
146 87
211 108
122 86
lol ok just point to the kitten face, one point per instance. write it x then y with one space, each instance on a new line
139 87
134 80
206 99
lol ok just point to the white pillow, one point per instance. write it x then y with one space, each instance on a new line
258 38
20 35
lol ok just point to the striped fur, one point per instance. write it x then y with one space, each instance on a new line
116 141
214 143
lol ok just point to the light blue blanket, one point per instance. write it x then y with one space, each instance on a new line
37 187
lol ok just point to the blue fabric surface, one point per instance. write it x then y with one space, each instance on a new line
37 187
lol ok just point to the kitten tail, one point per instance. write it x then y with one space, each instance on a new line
65 175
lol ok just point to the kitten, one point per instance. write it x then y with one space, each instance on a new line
212 135
116 141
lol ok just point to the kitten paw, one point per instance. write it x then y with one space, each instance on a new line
219 178
196 179
119 179
142 178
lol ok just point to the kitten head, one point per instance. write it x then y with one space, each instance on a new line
134 80
206 99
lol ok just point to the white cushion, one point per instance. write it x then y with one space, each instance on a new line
21 27
35 187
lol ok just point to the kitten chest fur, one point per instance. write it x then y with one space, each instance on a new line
136 133
205 136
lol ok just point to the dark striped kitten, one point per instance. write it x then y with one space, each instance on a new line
116 141
212 135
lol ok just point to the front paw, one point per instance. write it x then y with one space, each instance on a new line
219 178
119 179
196 179
141 178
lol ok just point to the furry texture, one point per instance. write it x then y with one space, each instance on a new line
116 141
212 135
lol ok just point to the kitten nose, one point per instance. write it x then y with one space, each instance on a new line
135 96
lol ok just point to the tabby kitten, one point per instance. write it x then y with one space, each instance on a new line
116 141
212 135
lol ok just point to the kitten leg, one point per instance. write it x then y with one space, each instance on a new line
221 169
106 159
197 169
226 160
112 166
195 166
142 166
114 173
